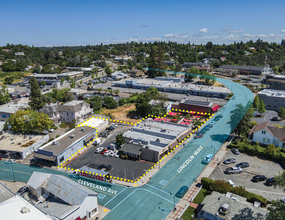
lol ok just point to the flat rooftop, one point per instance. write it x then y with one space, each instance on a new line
272 92
65 140
5 193
156 135
93 122
18 142
178 86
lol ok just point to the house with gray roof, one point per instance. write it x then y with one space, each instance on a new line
132 150
51 109
267 133
61 197
254 70
227 207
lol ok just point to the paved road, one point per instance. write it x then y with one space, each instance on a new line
156 198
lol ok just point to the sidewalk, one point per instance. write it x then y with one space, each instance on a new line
184 202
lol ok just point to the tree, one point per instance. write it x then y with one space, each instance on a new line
99 90
281 113
62 80
29 121
116 91
72 85
270 150
4 95
36 101
122 101
110 103
256 102
92 76
120 139
240 121
8 80
230 95
261 108
68 78
108 71
43 83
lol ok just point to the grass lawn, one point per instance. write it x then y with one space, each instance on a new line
188 213
201 196
198 200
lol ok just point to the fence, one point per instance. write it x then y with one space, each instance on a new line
191 200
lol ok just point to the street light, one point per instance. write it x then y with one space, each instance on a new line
173 201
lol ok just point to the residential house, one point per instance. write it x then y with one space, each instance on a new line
226 207
51 109
136 73
223 58
19 53
61 197
74 111
267 133
118 75
200 53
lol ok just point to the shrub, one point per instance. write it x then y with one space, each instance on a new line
62 125
207 183
51 139
57 136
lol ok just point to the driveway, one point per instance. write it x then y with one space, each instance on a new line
268 115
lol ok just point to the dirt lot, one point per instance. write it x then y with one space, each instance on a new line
121 113
257 166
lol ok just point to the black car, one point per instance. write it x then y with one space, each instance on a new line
242 165
110 128
23 190
235 151
231 160
108 168
270 181
258 178
275 119
101 167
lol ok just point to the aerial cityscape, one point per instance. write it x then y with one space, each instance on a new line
153 110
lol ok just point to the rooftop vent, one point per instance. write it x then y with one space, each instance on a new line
158 140
71 136
56 143
83 129
225 207
25 210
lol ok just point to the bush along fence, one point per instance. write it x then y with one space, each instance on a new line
266 151
222 186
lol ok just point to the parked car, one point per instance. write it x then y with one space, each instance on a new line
97 141
275 119
23 189
207 158
242 165
231 160
51 130
98 150
101 167
270 181
107 153
259 178
210 126
233 170
181 191
10 161
108 168
103 151
117 155
110 128
235 151
112 154
231 183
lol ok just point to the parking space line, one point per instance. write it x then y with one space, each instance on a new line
242 155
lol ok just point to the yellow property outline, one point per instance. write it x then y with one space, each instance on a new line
124 122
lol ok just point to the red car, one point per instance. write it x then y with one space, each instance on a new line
103 151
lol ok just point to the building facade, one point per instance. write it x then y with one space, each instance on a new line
273 99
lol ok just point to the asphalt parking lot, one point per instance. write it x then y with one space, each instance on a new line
257 166
268 115
127 169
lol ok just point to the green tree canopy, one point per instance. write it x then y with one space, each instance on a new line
261 108
29 121
256 102
110 103
36 101
120 139
281 113
4 95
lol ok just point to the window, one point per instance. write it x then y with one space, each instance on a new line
264 139
67 113
263 132
283 145
268 140
269 105
61 159
274 141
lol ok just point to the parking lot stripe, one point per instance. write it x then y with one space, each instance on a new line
242 155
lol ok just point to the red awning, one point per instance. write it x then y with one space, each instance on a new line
78 218
215 108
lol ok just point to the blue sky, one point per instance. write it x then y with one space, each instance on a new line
61 22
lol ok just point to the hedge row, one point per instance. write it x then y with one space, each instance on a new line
222 186
269 151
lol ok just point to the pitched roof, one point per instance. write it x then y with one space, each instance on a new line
260 127
72 106
277 132
62 187
132 148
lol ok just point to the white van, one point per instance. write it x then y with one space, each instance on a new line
231 183
97 141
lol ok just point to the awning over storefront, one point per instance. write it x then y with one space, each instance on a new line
45 157
215 108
